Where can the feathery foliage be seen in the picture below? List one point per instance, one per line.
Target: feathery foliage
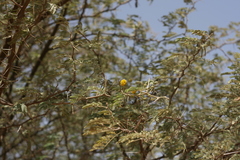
(78, 82)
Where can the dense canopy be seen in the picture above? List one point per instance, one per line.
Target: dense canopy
(78, 82)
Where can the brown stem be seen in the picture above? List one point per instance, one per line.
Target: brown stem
(44, 52)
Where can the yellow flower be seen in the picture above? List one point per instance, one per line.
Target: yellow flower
(134, 92)
(123, 82)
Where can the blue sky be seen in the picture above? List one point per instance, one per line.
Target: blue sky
(208, 12)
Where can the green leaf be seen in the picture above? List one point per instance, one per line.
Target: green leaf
(93, 104)
(23, 108)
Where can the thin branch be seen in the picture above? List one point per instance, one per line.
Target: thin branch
(44, 52)
(17, 4)
(65, 135)
(30, 119)
(12, 48)
(124, 152)
(81, 17)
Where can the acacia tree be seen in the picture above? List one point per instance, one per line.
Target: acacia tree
(77, 82)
